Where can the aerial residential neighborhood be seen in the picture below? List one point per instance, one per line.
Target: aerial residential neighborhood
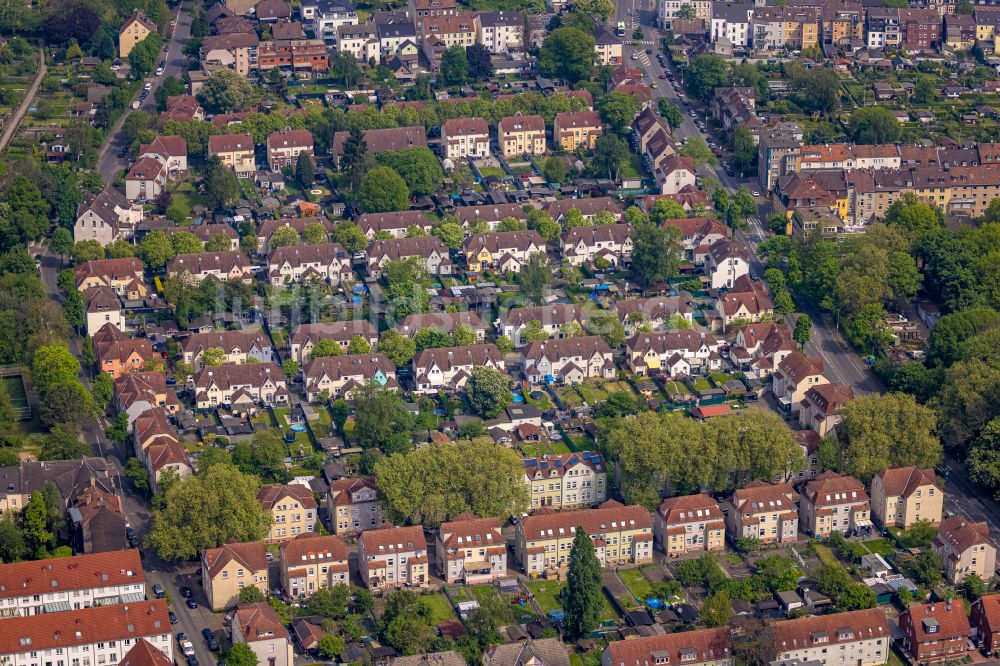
(500, 332)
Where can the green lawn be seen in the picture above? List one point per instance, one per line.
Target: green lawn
(592, 393)
(701, 384)
(533, 449)
(559, 446)
(441, 609)
(547, 595)
(481, 592)
(636, 583)
(569, 397)
(720, 378)
(826, 555)
(675, 389)
(592, 658)
(492, 171)
(881, 546)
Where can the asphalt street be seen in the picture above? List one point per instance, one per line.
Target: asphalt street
(109, 163)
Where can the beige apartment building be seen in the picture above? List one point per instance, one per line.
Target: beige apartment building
(690, 523)
(854, 638)
(764, 511)
(310, 562)
(259, 626)
(965, 548)
(566, 480)
(471, 550)
(834, 503)
(292, 508)
(231, 567)
(352, 505)
(236, 151)
(904, 495)
(621, 535)
(519, 135)
(393, 557)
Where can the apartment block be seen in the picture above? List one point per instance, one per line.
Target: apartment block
(935, 632)
(231, 567)
(310, 562)
(834, 503)
(471, 550)
(764, 511)
(393, 557)
(690, 523)
(566, 480)
(701, 647)
(352, 505)
(292, 508)
(859, 638)
(904, 495)
(621, 535)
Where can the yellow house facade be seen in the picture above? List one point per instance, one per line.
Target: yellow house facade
(904, 495)
(230, 568)
(137, 28)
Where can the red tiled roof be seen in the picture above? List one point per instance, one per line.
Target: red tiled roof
(393, 540)
(268, 496)
(312, 548)
(704, 644)
(949, 619)
(904, 481)
(610, 516)
(85, 626)
(832, 629)
(81, 572)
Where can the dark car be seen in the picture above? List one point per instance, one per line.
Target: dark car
(207, 633)
(171, 381)
(172, 617)
(158, 590)
(181, 637)
(191, 603)
(186, 592)
(213, 644)
(123, 152)
(192, 660)
(129, 533)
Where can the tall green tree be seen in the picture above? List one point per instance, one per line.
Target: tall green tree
(383, 190)
(567, 53)
(225, 91)
(704, 75)
(221, 183)
(655, 253)
(488, 391)
(454, 66)
(583, 595)
(533, 279)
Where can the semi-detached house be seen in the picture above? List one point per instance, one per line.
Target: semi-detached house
(396, 224)
(284, 147)
(513, 322)
(675, 353)
(106, 217)
(352, 505)
(655, 312)
(501, 251)
(240, 385)
(449, 368)
(237, 347)
(310, 562)
(339, 376)
(224, 265)
(521, 135)
(292, 508)
(433, 253)
(323, 262)
(621, 534)
(611, 243)
(226, 570)
(236, 151)
(567, 360)
(305, 336)
(834, 503)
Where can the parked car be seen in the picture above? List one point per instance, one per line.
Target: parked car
(186, 592)
(191, 603)
(172, 616)
(158, 590)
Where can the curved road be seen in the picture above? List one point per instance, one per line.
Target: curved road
(22, 108)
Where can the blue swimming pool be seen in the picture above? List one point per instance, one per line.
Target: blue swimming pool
(298, 427)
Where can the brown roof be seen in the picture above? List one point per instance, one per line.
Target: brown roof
(269, 496)
(690, 339)
(557, 464)
(656, 307)
(251, 555)
(583, 346)
(400, 248)
(689, 508)
(465, 127)
(704, 644)
(348, 365)
(759, 497)
(519, 123)
(449, 658)
(442, 321)
(451, 357)
(145, 168)
(490, 213)
(84, 626)
(904, 481)
(832, 629)
(469, 530)
(143, 653)
(226, 340)
(138, 16)
(754, 302)
(599, 233)
(297, 255)
(81, 572)
(341, 331)
(259, 622)
(290, 138)
(110, 269)
(578, 119)
(547, 651)
(447, 24)
(228, 143)
(830, 397)
(403, 219)
(948, 619)
(393, 540)
(610, 516)
(230, 41)
(589, 207)
(504, 241)
(268, 227)
(960, 534)
(555, 314)
(383, 140)
(832, 489)
(170, 452)
(313, 548)
(233, 374)
(199, 262)
(797, 366)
